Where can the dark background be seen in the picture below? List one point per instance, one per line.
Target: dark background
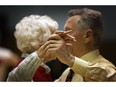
(10, 15)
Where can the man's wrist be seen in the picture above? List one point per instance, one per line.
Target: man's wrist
(71, 61)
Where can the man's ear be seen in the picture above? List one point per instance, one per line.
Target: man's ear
(88, 35)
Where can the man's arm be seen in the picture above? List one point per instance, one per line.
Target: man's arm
(94, 72)
(26, 69)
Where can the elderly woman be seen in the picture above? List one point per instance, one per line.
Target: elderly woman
(31, 33)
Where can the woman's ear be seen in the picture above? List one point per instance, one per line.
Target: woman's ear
(88, 35)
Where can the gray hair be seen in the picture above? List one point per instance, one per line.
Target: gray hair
(32, 31)
(89, 19)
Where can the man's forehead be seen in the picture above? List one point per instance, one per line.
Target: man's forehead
(73, 18)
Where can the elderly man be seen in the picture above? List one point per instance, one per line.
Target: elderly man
(82, 54)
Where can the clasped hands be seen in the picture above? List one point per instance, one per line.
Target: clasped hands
(57, 47)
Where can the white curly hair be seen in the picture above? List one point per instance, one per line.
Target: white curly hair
(32, 31)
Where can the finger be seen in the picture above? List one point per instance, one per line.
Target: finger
(51, 46)
(54, 37)
(58, 32)
(63, 33)
(41, 50)
(51, 51)
(49, 42)
(45, 51)
(68, 44)
(67, 32)
(71, 38)
(68, 38)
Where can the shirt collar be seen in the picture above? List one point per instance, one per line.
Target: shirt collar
(91, 55)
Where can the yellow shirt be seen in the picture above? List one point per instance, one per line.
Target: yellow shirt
(91, 67)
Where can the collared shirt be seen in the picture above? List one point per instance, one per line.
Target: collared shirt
(91, 67)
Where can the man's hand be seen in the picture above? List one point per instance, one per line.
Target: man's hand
(57, 45)
(66, 37)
